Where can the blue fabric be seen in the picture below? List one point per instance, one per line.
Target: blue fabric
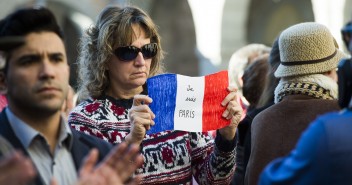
(323, 155)
(162, 88)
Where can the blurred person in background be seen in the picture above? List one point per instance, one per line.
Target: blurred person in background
(261, 76)
(241, 59)
(117, 56)
(254, 80)
(308, 87)
(3, 102)
(267, 97)
(346, 34)
(323, 154)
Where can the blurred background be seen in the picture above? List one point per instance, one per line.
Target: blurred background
(199, 36)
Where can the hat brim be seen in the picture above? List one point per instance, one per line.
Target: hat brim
(10, 42)
(315, 68)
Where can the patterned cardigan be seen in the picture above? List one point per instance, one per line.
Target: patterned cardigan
(170, 157)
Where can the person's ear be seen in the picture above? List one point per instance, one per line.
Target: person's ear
(332, 74)
(3, 83)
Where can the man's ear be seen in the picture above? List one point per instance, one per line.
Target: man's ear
(3, 83)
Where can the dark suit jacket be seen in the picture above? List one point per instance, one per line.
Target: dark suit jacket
(81, 146)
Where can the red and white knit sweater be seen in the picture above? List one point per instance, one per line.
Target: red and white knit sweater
(170, 157)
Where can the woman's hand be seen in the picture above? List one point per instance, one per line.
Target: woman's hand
(141, 118)
(233, 111)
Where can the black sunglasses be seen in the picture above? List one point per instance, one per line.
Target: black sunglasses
(128, 53)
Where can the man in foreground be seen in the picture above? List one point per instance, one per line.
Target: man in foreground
(35, 79)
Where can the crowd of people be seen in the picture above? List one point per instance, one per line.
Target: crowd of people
(274, 95)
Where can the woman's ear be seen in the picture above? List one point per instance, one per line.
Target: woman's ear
(3, 83)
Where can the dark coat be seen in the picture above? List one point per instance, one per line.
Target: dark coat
(276, 130)
(81, 145)
(243, 147)
(323, 155)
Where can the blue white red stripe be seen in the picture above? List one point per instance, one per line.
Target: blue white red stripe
(188, 103)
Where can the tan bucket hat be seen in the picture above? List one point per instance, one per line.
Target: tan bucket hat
(307, 48)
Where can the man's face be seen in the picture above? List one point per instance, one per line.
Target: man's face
(37, 75)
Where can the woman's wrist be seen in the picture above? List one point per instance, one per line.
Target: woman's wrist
(227, 133)
(129, 139)
(224, 144)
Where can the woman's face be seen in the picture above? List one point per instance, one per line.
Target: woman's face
(132, 74)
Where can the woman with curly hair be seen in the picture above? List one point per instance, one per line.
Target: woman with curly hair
(118, 54)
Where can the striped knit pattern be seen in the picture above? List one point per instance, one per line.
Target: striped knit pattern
(170, 157)
(304, 88)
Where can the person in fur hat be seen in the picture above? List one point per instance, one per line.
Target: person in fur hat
(307, 88)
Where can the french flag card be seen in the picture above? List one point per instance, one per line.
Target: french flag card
(188, 103)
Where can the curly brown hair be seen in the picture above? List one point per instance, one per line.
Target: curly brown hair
(112, 29)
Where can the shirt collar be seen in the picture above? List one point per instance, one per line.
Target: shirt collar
(65, 137)
(26, 134)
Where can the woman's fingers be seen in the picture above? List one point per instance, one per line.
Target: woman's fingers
(230, 101)
(141, 100)
(231, 96)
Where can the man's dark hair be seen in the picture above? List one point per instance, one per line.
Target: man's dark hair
(25, 21)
